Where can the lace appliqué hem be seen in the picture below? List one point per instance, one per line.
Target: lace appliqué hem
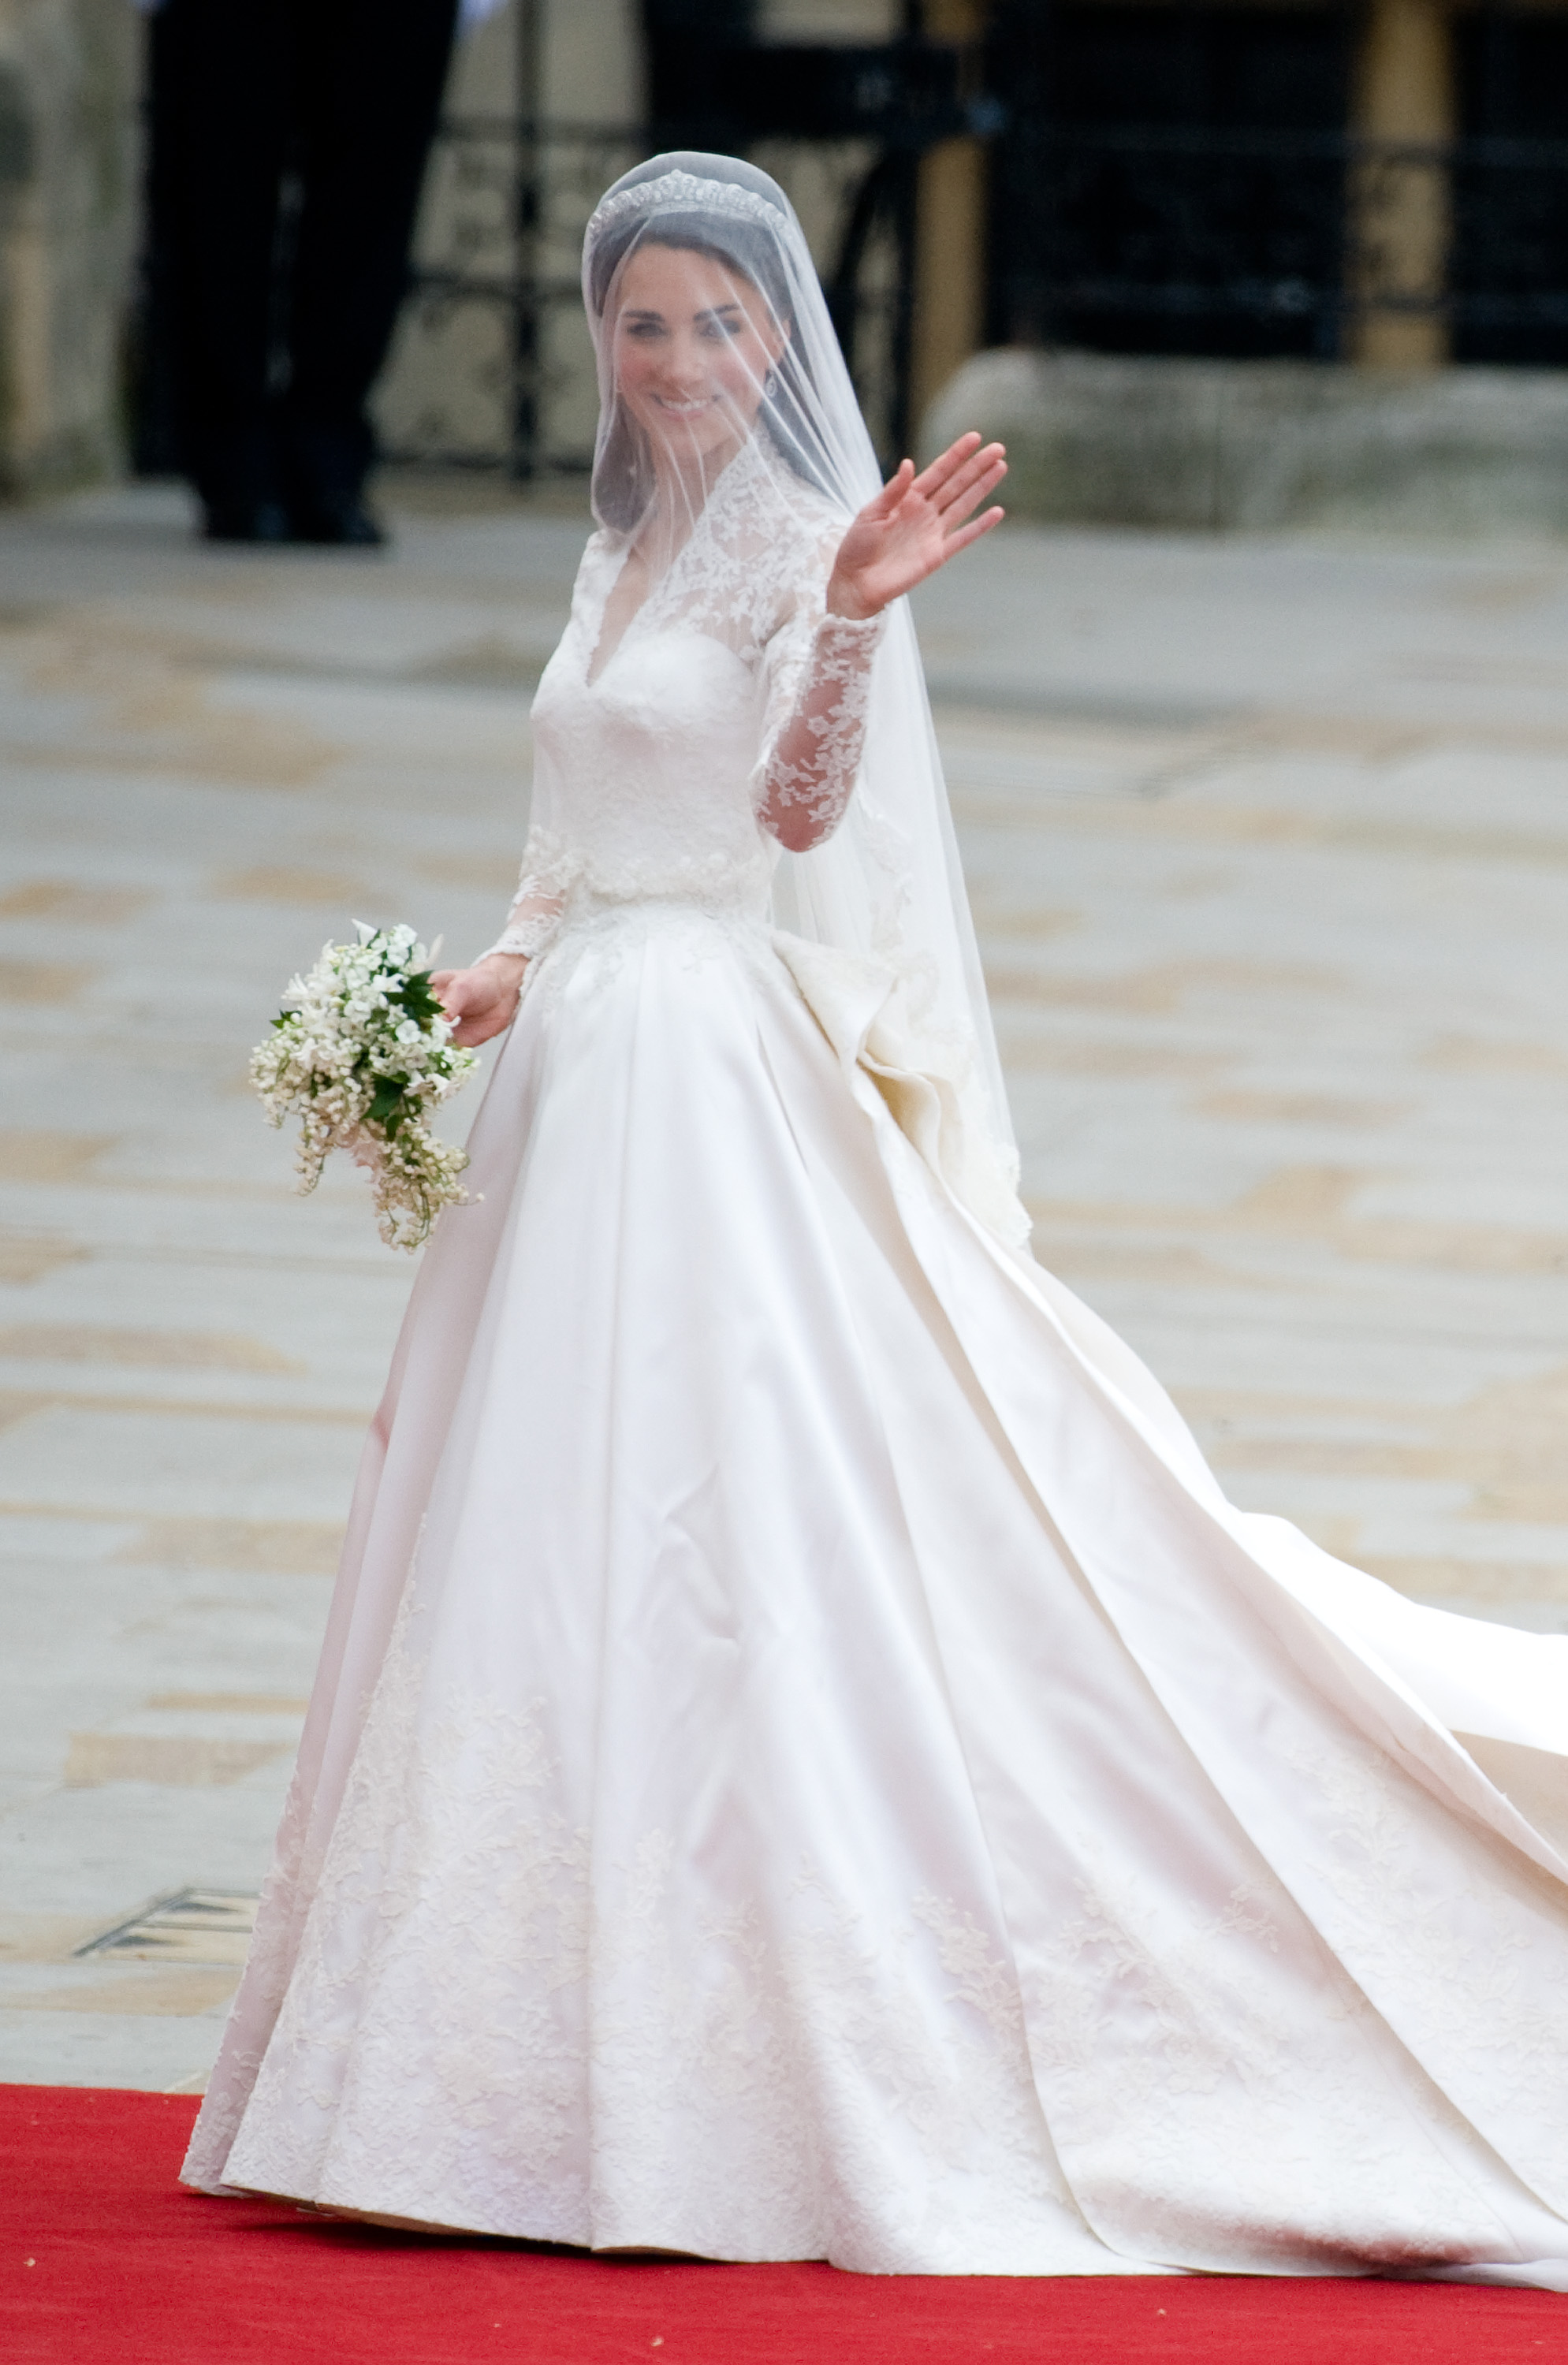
(707, 2041)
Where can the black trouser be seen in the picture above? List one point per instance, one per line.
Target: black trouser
(346, 93)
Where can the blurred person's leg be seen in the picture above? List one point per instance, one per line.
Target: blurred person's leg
(371, 77)
(222, 120)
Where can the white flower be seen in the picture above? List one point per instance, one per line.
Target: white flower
(359, 1052)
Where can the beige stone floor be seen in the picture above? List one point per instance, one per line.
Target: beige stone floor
(1269, 846)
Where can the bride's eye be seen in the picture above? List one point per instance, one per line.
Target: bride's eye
(716, 325)
(644, 331)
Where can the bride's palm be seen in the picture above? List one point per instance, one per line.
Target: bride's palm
(914, 525)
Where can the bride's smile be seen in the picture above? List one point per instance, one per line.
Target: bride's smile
(692, 345)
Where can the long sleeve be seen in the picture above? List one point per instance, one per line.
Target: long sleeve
(817, 669)
(542, 890)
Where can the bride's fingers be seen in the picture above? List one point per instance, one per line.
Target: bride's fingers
(464, 997)
(884, 503)
(953, 517)
(962, 476)
(942, 467)
(978, 483)
(970, 532)
(947, 464)
(958, 462)
(960, 489)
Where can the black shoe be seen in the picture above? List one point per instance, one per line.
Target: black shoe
(245, 522)
(340, 521)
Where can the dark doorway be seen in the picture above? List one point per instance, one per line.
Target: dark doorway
(1170, 179)
(1509, 267)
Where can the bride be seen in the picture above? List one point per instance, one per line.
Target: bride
(806, 1762)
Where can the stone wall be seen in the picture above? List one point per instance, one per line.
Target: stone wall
(1098, 438)
(68, 76)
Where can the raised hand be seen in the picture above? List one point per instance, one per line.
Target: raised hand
(914, 525)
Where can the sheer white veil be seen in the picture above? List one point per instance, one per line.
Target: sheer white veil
(886, 892)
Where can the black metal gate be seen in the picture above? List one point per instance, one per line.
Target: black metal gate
(514, 190)
(1182, 180)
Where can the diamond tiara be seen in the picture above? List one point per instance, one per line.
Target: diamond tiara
(682, 188)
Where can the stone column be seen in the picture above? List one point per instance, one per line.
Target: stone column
(950, 288)
(69, 75)
(1400, 211)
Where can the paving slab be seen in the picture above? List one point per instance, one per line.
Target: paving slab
(1267, 840)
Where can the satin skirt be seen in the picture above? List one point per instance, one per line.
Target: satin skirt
(807, 1764)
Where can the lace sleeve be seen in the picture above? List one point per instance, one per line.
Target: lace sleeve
(818, 672)
(541, 897)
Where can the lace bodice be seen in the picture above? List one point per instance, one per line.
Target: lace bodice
(729, 717)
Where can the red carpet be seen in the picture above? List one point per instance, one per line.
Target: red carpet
(106, 2256)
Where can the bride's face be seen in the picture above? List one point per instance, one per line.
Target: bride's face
(693, 343)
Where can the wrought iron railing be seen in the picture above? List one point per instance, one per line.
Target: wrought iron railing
(1203, 239)
(492, 366)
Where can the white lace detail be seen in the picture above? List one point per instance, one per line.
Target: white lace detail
(562, 888)
(637, 799)
(447, 2033)
(549, 871)
(819, 696)
(760, 554)
(268, 1965)
(1166, 2060)
(641, 801)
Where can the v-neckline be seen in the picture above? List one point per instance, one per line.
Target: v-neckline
(656, 591)
(593, 672)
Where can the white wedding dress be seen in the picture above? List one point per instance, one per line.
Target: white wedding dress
(806, 1761)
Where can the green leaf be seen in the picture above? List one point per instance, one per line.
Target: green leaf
(414, 995)
(386, 1108)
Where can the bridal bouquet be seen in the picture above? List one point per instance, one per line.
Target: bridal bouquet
(361, 1052)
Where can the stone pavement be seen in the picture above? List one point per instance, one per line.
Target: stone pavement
(1268, 841)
